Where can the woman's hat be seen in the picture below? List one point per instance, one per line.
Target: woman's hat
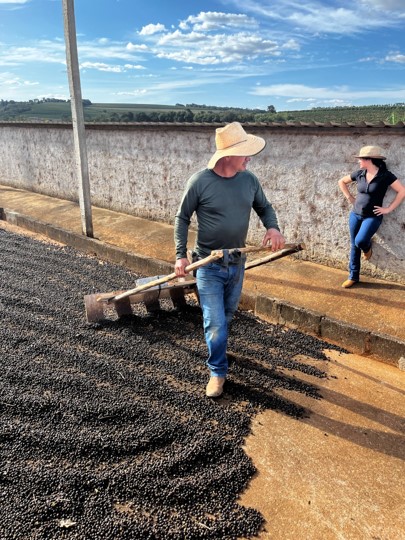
(371, 152)
(232, 140)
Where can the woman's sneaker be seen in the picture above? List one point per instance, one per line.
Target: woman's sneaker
(367, 254)
(348, 283)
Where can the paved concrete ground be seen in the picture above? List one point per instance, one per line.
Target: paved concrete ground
(339, 474)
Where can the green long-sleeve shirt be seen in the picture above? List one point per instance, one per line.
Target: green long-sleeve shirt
(223, 207)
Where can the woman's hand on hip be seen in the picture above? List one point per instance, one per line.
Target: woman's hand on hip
(380, 210)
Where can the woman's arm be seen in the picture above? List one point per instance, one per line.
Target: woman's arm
(400, 189)
(343, 183)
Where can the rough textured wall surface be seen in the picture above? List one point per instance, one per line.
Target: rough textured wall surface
(142, 170)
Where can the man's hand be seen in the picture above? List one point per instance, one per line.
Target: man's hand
(274, 237)
(180, 266)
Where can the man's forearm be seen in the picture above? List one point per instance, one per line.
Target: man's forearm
(180, 236)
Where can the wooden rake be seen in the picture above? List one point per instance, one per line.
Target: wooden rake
(151, 290)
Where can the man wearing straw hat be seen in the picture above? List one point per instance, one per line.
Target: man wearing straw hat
(222, 196)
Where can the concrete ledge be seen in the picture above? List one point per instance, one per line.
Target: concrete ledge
(268, 309)
(354, 338)
(388, 348)
(282, 312)
(247, 301)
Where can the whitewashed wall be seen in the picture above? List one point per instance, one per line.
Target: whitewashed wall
(142, 170)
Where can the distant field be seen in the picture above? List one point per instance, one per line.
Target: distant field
(49, 111)
(58, 111)
(128, 112)
(388, 113)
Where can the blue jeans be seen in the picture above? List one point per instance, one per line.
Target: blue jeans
(362, 229)
(219, 288)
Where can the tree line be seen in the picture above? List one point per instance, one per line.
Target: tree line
(59, 109)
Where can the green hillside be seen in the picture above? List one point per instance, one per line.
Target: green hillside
(374, 114)
(59, 110)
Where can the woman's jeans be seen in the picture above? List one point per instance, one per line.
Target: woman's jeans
(362, 229)
(219, 288)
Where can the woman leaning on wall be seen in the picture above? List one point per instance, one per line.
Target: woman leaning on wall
(373, 179)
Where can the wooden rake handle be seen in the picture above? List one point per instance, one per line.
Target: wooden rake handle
(252, 249)
(287, 250)
(214, 256)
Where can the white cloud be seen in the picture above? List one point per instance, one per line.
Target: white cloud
(151, 29)
(44, 51)
(178, 38)
(368, 59)
(93, 50)
(161, 90)
(213, 38)
(300, 100)
(395, 57)
(315, 17)
(11, 81)
(390, 5)
(212, 20)
(14, 1)
(322, 19)
(303, 92)
(99, 66)
(134, 47)
(198, 48)
(291, 44)
(140, 92)
(189, 56)
(132, 66)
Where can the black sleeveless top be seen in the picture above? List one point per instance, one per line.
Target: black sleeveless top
(371, 194)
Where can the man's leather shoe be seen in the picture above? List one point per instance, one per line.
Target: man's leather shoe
(215, 386)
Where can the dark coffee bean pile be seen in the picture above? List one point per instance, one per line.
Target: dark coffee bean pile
(105, 431)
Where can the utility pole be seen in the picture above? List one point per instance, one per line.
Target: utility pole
(76, 102)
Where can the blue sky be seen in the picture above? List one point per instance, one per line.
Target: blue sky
(293, 54)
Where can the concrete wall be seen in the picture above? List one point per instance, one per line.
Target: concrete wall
(142, 170)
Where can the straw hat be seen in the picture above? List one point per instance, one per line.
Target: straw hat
(371, 152)
(232, 140)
